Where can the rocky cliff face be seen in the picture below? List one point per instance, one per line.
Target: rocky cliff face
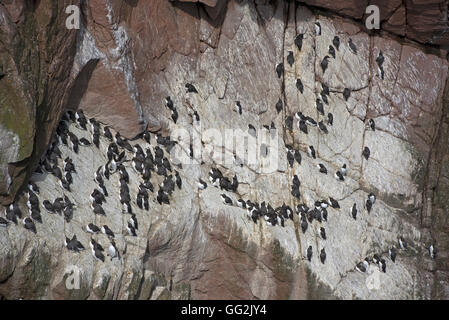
(129, 55)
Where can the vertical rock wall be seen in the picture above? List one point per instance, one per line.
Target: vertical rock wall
(129, 55)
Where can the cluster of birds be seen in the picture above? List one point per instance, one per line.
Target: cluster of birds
(304, 123)
(120, 153)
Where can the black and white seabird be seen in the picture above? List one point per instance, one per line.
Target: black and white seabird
(324, 213)
(323, 256)
(28, 223)
(15, 210)
(304, 225)
(238, 107)
(98, 254)
(91, 228)
(336, 42)
(300, 116)
(98, 209)
(366, 153)
(9, 213)
(68, 165)
(330, 119)
(298, 157)
(402, 243)
(339, 176)
(84, 142)
(35, 215)
(191, 88)
(279, 106)
(280, 70)
(201, 184)
(322, 233)
(226, 199)
(241, 203)
(162, 197)
(133, 221)
(290, 158)
(295, 181)
(96, 139)
(169, 103)
(392, 253)
(112, 250)
(298, 41)
(343, 169)
(303, 126)
(325, 90)
(174, 115)
(289, 122)
(105, 230)
(33, 187)
(353, 211)
(368, 205)
(320, 106)
(107, 133)
(322, 168)
(317, 28)
(334, 203)
(362, 266)
(311, 152)
(131, 230)
(33, 200)
(322, 127)
(95, 245)
(81, 119)
(380, 60)
(122, 142)
(352, 46)
(3, 222)
(372, 197)
(74, 142)
(299, 85)
(290, 58)
(371, 124)
(383, 265)
(79, 246)
(65, 184)
(48, 206)
(324, 63)
(97, 197)
(310, 121)
(323, 97)
(309, 253)
(58, 205)
(178, 180)
(346, 93)
(331, 51)
(432, 251)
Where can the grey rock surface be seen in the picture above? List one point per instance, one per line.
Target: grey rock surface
(197, 247)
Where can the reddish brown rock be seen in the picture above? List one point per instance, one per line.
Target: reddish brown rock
(396, 23)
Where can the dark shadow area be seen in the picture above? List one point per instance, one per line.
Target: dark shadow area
(80, 85)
